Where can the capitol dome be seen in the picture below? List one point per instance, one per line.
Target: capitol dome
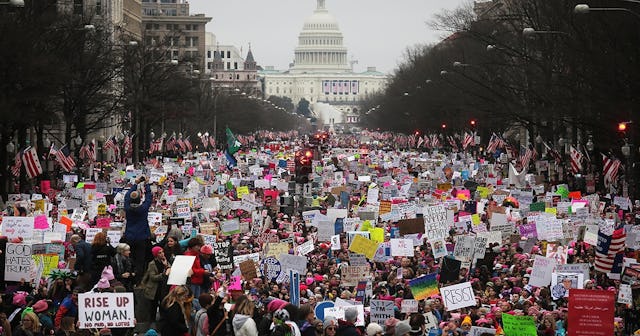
(320, 45)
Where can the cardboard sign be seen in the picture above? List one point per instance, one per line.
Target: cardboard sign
(401, 247)
(435, 221)
(180, 270)
(409, 306)
(479, 331)
(409, 226)
(458, 296)
(519, 325)
(591, 312)
(105, 310)
(248, 269)
(18, 262)
(351, 275)
(542, 269)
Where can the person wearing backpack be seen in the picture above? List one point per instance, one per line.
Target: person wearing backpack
(201, 320)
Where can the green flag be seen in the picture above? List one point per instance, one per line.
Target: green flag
(232, 143)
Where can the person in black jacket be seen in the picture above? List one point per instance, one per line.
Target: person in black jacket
(347, 327)
(218, 316)
(175, 311)
(101, 252)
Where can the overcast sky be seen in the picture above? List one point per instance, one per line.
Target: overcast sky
(376, 32)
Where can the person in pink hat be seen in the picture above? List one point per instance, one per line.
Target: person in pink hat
(153, 288)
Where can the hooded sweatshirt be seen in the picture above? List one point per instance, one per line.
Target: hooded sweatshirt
(244, 325)
(137, 228)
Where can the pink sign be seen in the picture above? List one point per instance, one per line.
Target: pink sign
(40, 222)
(103, 222)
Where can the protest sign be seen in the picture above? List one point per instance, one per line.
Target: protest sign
(409, 306)
(519, 325)
(464, 248)
(458, 296)
(222, 251)
(105, 310)
(351, 275)
(248, 269)
(591, 312)
(14, 227)
(480, 331)
(542, 269)
(180, 270)
(230, 227)
(625, 295)
(381, 310)
(435, 221)
(409, 226)
(305, 248)
(270, 268)
(49, 262)
(402, 247)
(290, 262)
(479, 248)
(574, 268)
(364, 246)
(18, 262)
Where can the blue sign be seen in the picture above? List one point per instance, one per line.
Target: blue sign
(271, 268)
(320, 307)
(294, 288)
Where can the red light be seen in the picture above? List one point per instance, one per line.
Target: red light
(417, 132)
(473, 122)
(444, 125)
(622, 127)
(308, 154)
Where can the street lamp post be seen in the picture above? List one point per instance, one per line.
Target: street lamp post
(586, 9)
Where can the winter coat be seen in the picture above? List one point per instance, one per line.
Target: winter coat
(153, 279)
(347, 329)
(197, 278)
(244, 325)
(137, 226)
(83, 257)
(172, 320)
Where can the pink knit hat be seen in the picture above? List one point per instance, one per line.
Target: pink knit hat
(275, 305)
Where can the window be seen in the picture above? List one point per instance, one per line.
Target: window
(222, 54)
(194, 27)
(235, 65)
(78, 7)
(148, 26)
(156, 26)
(209, 64)
(229, 67)
(237, 76)
(208, 53)
(228, 54)
(98, 7)
(191, 41)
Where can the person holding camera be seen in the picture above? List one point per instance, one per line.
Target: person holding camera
(137, 233)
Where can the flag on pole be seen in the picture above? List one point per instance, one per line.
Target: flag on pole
(171, 143)
(576, 160)
(525, 156)
(127, 146)
(17, 165)
(31, 162)
(609, 249)
(187, 144)
(233, 145)
(181, 144)
(231, 161)
(610, 170)
(64, 159)
(467, 140)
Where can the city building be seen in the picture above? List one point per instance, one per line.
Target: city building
(171, 21)
(228, 70)
(323, 74)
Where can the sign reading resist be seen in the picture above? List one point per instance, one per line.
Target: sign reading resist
(458, 296)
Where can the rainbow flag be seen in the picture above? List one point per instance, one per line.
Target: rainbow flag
(424, 286)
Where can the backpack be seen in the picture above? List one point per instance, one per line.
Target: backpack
(201, 314)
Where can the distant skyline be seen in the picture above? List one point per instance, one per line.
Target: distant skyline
(376, 32)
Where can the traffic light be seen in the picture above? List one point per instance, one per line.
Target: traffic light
(303, 165)
(622, 127)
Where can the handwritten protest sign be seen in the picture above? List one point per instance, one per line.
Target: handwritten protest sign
(381, 310)
(18, 262)
(409, 226)
(409, 306)
(464, 248)
(479, 331)
(14, 227)
(351, 275)
(542, 269)
(365, 246)
(458, 296)
(105, 310)
(435, 222)
(222, 253)
(402, 247)
(519, 325)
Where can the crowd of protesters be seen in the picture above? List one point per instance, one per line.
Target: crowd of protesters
(210, 304)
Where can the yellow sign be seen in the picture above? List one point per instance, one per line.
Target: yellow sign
(50, 262)
(552, 211)
(276, 248)
(366, 225)
(377, 234)
(483, 191)
(242, 191)
(39, 205)
(365, 246)
(384, 207)
(475, 219)
(102, 209)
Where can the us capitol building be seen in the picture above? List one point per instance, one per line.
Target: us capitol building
(323, 75)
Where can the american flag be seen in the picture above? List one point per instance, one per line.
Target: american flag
(610, 170)
(156, 146)
(467, 140)
(171, 143)
(31, 162)
(112, 143)
(495, 142)
(127, 146)
(452, 142)
(17, 165)
(88, 151)
(187, 144)
(435, 141)
(526, 154)
(554, 153)
(64, 159)
(427, 141)
(212, 142)
(205, 140)
(181, 145)
(420, 142)
(291, 165)
(576, 160)
(610, 251)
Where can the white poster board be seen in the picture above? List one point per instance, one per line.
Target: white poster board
(18, 262)
(180, 270)
(541, 273)
(458, 296)
(381, 310)
(105, 310)
(14, 227)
